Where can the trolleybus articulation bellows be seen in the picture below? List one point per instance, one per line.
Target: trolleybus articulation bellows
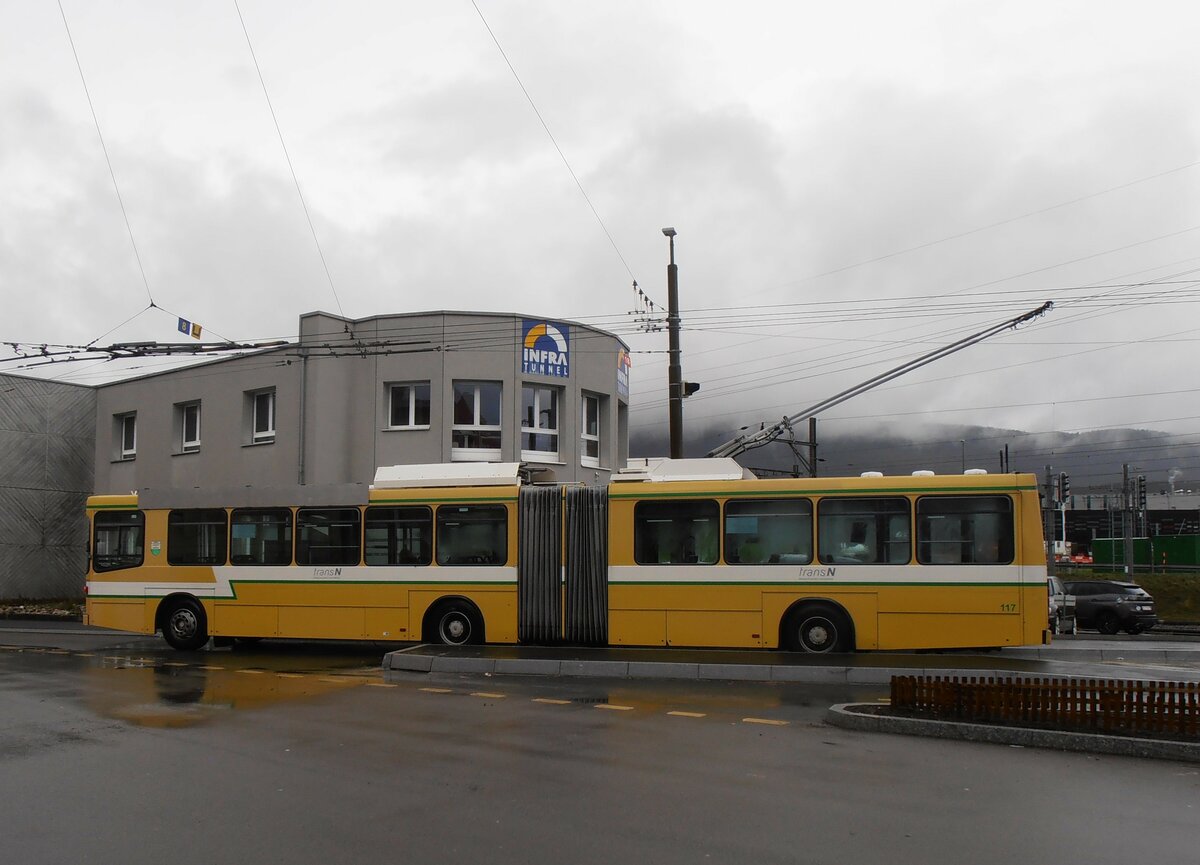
(670, 553)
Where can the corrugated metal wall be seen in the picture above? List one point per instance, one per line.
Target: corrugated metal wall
(47, 445)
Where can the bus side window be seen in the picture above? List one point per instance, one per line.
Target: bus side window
(768, 532)
(676, 532)
(261, 536)
(472, 535)
(399, 536)
(961, 530)
(863, 531)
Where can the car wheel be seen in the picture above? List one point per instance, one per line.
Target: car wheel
(1107, 623)
(184, 625)
(1134, 629)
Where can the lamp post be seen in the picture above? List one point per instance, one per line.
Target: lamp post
(963, 444)
(674, 366)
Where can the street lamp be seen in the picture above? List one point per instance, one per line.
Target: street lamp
(963, 444)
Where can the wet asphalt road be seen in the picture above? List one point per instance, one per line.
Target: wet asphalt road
(117, 750)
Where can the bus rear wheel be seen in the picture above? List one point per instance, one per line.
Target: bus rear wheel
(817, 629)
(454, 623)
(184, 625)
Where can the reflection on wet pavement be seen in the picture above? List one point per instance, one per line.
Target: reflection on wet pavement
(138, 684)
(154, 691)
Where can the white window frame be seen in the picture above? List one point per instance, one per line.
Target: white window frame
(127, 420)
(585, 438)
(397, 389)
(476, 454)
(186, 445)
(539, 392)
(264, 436)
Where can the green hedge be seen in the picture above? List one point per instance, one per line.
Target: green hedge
(1177, 596)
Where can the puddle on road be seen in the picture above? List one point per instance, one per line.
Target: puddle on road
(183, 690)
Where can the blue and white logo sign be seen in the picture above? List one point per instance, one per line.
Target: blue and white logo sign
(544, 350)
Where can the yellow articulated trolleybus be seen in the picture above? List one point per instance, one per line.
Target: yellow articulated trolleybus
(670, 553)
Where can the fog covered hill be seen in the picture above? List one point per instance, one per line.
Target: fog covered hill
(1093, 459)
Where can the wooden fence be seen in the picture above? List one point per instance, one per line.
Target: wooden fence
(1084, 705)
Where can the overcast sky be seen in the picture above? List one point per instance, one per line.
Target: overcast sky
(853, 185)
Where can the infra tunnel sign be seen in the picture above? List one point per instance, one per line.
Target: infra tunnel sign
(544, 350)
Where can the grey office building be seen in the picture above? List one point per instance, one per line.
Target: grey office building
(354, 394)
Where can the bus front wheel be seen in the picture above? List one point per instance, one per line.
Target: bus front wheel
(184, 625)
(818, 629)
(454, 624)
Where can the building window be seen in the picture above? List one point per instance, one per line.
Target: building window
(539, 423)
(589, 435)
(189, 427)
(408, 406)
(476, 431)
(125, 429)
(262, 416)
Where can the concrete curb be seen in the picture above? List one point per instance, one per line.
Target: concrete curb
(413, 660)
(844, 715)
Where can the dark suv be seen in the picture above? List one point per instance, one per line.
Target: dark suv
(1110, 606)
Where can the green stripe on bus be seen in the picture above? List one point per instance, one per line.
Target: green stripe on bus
(457, 500)
(774, 494)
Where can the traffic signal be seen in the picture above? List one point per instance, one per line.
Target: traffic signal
(1141, 492)
(1064, 486)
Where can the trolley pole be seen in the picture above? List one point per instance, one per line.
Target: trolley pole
(674, 365)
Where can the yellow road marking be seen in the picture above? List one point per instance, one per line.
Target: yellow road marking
(381, 685)
(551, 702)
(59, 652)
(210, 667)
(85, 654)
(614, 707)
(335, 679)
(769, 721)
(251, 672)
(290, 675)
(175, 664)
(688, 714)
(437, 690)
(488, 694)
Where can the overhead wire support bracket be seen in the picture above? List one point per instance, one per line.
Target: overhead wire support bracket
(743, 443)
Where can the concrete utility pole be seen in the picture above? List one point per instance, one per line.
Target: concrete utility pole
(674, 364)
(1048, 520)
(1127, 521)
